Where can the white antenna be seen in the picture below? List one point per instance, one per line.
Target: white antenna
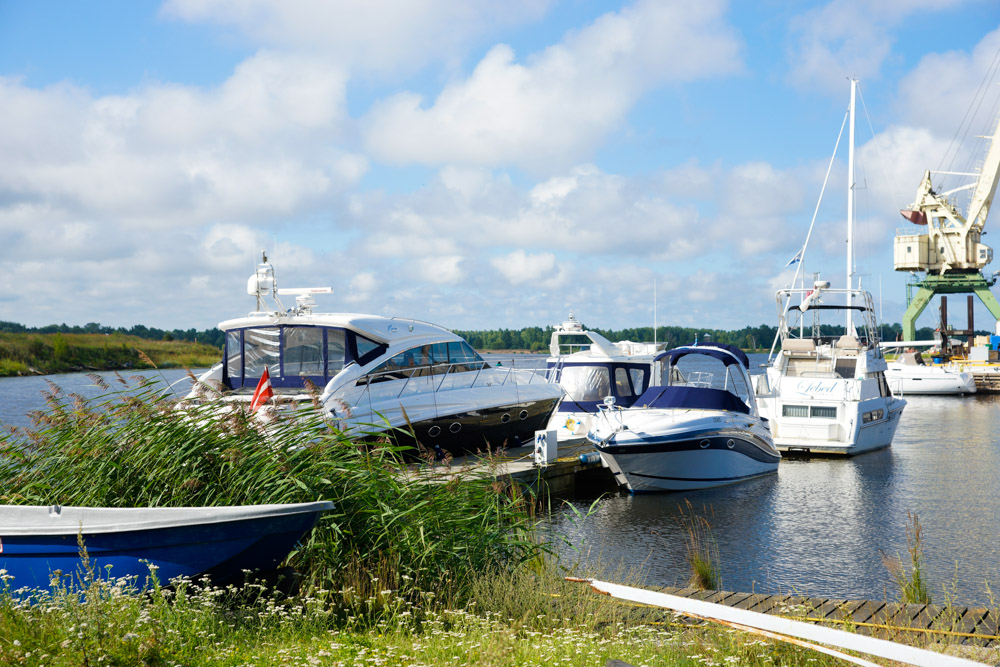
(654, 312)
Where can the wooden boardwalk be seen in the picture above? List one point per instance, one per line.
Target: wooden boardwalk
(907, 623)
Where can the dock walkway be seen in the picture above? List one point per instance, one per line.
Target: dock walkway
(968, 626)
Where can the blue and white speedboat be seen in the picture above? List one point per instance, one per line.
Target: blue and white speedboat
(700, 430)
(39, 543)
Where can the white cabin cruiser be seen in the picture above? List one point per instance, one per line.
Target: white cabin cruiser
(701, 430)
(824, 390)
(379, 374)
(590, 368)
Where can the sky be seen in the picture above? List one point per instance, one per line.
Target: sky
(475, 164)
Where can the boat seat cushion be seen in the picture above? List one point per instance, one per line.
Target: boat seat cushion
(798, 345)
(848, 343)
(696, 398)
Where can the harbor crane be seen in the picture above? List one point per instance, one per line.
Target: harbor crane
(945, 245)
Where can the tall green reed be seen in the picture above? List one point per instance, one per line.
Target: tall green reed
(910, 580)
(702, 549)
(396, 526)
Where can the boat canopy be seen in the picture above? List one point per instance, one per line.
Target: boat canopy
(727, 354)
(696, 398)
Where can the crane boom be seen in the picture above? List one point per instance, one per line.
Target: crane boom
(986, 186)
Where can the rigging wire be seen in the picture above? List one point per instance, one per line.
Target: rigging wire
(970, 114)
(890, 178)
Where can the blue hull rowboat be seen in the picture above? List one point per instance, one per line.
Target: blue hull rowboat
(221, 542)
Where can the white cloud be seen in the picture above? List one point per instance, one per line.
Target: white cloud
(374, 35)
(361, 288)
(520, 268)
(848, 38)
(265, 143)
(943, 87)
(439, 269)
(555, 108)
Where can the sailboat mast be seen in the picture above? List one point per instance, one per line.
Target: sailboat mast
(850, 213)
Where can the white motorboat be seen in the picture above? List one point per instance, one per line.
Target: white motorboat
(379, 374)
(701, 430)
(590, 368)
(827, 393)
(824, 390)
(907, 374)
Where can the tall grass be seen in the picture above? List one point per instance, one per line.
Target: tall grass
(390, 531)
(702, 549)
(910, 580)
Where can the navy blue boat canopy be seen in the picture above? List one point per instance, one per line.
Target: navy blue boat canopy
(721, 351)
(696, 398)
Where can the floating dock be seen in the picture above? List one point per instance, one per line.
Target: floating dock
(564, 477)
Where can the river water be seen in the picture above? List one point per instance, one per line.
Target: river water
(819, 527)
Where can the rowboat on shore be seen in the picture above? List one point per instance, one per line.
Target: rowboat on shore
(40, 544)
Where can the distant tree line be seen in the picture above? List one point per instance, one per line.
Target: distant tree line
(213, 337)
(535, 339)
(760, 337)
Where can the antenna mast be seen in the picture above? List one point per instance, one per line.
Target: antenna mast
(850, 213)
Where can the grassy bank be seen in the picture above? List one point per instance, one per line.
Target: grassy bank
(32, 353)
(539, 621)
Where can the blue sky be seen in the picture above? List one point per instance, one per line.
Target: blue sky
(475, 164)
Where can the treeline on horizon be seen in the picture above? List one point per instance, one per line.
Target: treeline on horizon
(536, 339)
(213, 337)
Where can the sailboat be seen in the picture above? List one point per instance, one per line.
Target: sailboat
(824, 390)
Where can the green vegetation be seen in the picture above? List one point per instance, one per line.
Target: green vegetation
(29, 353)
(702, 549)
(912, 586)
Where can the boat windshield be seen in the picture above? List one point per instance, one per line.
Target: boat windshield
(702, 371)
(292, 354)
(586, 383)
(433, 359)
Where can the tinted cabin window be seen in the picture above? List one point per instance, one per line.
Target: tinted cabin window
(367, 349)
(303, 351)
(234, 355)
(463, 357)
(638, 380)
(336, 351)
(621, 382)
(436, 359)
(261, 348)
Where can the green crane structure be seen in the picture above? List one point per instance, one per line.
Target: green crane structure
(946, 245)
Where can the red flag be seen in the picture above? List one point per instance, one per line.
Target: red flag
(262, 394)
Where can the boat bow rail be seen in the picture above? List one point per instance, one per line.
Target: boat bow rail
(434, 379)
